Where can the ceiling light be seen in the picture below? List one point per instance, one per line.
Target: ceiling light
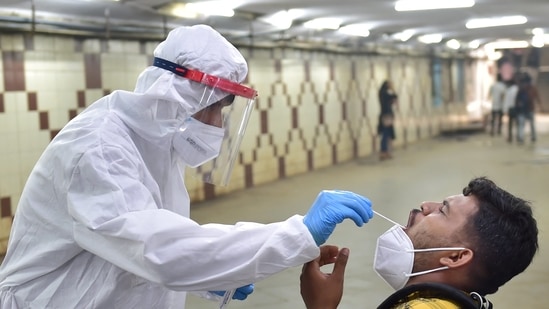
(209, 8)
(537, 31)
(496, 22)
(430, 38)
(404, 35)
(280, 19)
(538, 41)
(494, 55)
(323, 23)
(283, 19)
(507, 44)
(179, 10)
(453, 44)
(356, 29)
(194, 10)
(474, 44)
(417, 5)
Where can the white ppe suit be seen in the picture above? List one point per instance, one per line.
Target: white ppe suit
(103, 221)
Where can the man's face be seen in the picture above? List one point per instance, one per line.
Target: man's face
(213, 114)
(439, 224)
(507, 71)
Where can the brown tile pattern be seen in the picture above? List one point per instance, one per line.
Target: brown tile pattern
(295, 118)
(44, 121)
(264, 122)
(278, 66)
(281, 167)
(249, 175)
(81, 98)
(53, 133)
(72, 113)
(5, 207)
(353, 70)
(32, 101)
(209, 191)
(344, 110)
(306, 83)
(92, 65)
(307, 68)
(321, 114)
(310, 160)
(14, 70)
(28, 42)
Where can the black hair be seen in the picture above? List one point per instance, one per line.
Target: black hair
(504, 234)
(525, 78)
(384, 86)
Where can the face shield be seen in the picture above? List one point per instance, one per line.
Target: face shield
(223, 105)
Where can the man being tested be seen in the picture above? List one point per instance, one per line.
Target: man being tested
(473, 243)
(103, 221)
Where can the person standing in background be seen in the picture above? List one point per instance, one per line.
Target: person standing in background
(385, 128)
(509, 108)
(527, 98)
(496, 95)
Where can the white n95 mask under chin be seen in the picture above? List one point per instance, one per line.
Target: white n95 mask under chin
(394, 257)
(197, 143)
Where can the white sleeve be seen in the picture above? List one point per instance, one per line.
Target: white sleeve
(117, 218)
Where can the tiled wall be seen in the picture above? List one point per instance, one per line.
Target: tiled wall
(315, 109)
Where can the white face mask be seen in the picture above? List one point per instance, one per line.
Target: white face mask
(394, 257)
(197, 143)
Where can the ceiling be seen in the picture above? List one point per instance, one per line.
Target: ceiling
(142, 19)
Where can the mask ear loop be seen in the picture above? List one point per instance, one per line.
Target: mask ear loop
(431, 250)
(426, 271)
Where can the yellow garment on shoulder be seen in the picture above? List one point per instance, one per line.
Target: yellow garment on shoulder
(427, 303)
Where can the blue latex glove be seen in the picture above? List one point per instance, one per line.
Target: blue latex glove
(241, 293)
(331, 208)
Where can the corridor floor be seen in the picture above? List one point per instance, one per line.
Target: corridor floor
(428, 170)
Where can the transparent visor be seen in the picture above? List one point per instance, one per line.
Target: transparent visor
(225, 105)
(233, 118)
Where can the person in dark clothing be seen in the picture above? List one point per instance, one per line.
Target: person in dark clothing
(526, 100)
(385, 128)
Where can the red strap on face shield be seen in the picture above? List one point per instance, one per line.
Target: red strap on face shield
(206, 79)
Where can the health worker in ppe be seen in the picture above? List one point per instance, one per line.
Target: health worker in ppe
(103, 221)
(450, 254)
